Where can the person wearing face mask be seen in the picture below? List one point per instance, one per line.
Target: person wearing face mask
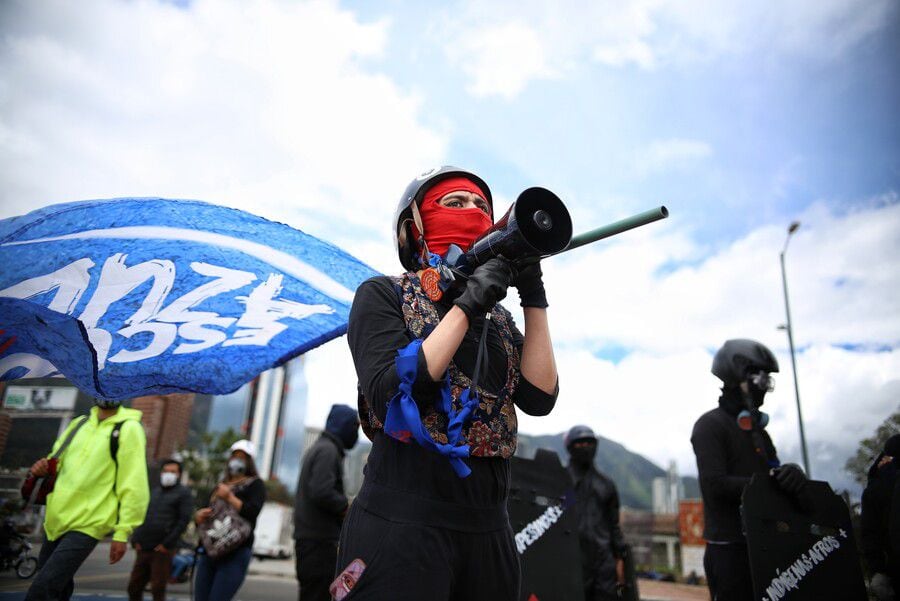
(101, 487)
(731, 444)
(880, 518)
(156, 540)
(321, 503)
(596, 504)
(219, 579)
(442, 368)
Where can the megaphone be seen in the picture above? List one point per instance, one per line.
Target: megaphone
(536, 225)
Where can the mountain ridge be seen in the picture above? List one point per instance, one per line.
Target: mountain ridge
(632, 473)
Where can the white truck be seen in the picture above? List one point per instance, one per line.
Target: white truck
(274, 532)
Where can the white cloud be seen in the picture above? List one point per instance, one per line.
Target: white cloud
(673, 153)
(648, 34)
(808, 28)
(614, 295)
(842, 270)
(265, 106)
(509, 55)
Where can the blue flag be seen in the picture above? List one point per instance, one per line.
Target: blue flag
(137, 296)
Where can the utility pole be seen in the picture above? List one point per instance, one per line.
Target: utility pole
(790, 333)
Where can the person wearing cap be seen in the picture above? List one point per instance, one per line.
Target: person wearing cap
(442, 368)
(596, 505)
(219, 579)
(881, 522)
(321, 503)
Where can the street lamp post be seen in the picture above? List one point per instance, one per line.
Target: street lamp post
(790, 334)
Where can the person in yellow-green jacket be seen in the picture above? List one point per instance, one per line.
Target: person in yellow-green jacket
(101, 487)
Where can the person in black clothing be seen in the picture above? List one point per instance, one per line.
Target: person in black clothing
(321, 504)
(156, 540)
(731, 445)
(430, 522)
(219, 579)
(597, 507)
(881, 522)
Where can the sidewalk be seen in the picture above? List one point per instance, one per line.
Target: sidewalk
(280, 568)
(654, 590)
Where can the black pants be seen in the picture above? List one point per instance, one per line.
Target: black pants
(315, 562)
(409, 562)
(728, 572)
(57, 564)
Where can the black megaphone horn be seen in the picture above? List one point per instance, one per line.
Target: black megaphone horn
(536, 225)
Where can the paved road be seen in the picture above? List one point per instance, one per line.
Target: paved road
(268, 581)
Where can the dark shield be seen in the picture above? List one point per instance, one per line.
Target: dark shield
(800, 549)
(545, 529)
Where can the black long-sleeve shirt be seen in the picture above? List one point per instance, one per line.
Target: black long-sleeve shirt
(406, 482)
(726, 460)
(253, 497)
(880, 500)
(599, 532)
(168, 514)
(321, 501)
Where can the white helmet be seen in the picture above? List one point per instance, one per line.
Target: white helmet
(245, 446)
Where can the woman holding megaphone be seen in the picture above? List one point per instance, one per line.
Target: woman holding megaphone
(442, 368)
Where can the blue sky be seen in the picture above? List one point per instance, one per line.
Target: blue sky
(739, 117)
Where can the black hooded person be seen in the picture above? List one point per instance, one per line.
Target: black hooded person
(596, 506)
(430, 521)
(321, 503)
(881, 522)
(731, 444)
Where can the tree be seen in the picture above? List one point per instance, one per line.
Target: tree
(276, 491)
(869, 448)
(206, 463)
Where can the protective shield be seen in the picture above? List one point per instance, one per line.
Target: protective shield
(629, 592)
(800, 549)
(545, 530)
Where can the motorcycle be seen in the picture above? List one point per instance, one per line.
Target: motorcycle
(15, 553)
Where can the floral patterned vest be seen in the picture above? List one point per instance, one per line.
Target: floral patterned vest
(491, 432)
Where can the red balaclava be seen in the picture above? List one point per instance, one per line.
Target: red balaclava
(445, 225)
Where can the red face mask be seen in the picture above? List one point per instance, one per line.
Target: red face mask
(447, 225)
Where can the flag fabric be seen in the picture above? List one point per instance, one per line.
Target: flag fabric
(136, 296)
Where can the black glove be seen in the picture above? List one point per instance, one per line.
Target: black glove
(485, 287)
(530, 285)
(790, 478)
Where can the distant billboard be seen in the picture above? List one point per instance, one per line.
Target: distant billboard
(693, 546)
(40, 398)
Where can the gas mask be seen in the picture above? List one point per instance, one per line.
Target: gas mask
(753, 391)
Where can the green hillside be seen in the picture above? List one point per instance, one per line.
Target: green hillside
(632, 473)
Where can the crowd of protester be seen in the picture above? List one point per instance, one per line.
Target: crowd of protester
(442, 370)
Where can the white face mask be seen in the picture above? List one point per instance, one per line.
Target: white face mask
(168, 479)
(237, 466)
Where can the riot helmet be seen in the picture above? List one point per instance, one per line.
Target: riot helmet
(582, 455)
(407, 248)
(739, 358)
(579, 432)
